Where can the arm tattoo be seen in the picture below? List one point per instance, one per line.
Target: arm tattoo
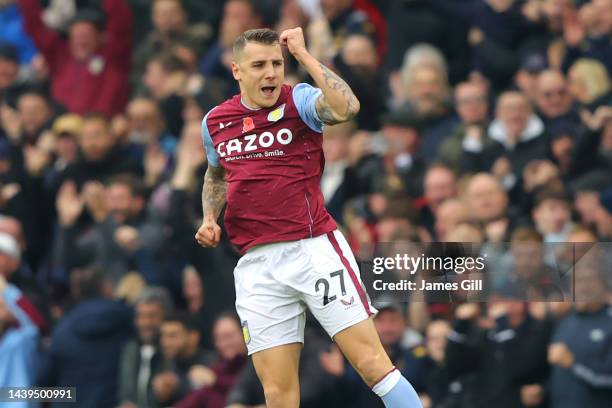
(337, 84)
(213, 191)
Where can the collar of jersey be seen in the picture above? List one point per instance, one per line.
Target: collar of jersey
(243, 103)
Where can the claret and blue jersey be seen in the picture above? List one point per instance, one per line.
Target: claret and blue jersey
(273, 159)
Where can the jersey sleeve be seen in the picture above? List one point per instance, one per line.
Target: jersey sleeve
(211, 153)
(305, 98)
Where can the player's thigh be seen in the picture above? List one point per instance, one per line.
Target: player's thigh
(331, 285)
(270, 312)
(278, 366)
(361, 346)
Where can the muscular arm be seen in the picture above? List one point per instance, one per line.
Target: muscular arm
(213, 192)
(338, 102)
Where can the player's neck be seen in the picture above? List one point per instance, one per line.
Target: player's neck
(247, 105)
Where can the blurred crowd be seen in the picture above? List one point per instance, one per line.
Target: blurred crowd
(486, 121)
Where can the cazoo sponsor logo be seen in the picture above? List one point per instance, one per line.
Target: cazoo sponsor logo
(252, 142)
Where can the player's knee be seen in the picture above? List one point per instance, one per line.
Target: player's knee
(372, 366)
(279, 395)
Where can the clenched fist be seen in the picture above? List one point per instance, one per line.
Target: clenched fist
(209, 234)
(294, 40)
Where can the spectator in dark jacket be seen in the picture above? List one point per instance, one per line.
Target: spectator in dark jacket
(587, 33)
(186, 365)
(505, 358)
(86, 344)
(101, 156)
(580, 351)
(553, 99)
(141, 358)
(89, 71)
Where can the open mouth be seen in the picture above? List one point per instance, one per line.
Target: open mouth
(268, 90)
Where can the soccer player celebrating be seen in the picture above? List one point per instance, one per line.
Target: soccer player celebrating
(265, 158)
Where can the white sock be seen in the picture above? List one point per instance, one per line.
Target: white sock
(386, 384)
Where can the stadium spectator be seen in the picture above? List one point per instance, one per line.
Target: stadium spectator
(553, 99)
(90, 70)
(589, 84)
(505, 357)
(18, 340)
(165, 80)
(586, 33)
(552, 215)
(403, 161)
(443, 390)
(451, 213)
(193, 292)
(497, 27)
(141, 358)
(9, 66)
(86, 344)
(357, 63)
(148, 141)
(345, 19)
(411, 23)
(338, 182)
(100, 155)
(12, 31)
(35, 114)
(238, 16)
(518, 138)
(529, 275)
(231, 352)
(126, 235)
(526, 77)
(488, 206)
(185, 366)
(171, 33)
(439, 185)
(577, 352)
(471, 103)
(425, 92)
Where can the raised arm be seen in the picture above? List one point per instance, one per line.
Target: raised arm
(213, 200)
(47, 40)
(338, 102)
(118, 43)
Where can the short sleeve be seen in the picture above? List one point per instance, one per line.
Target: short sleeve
(305, 98)
(211, 153)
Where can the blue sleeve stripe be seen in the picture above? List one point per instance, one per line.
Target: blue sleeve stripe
(211, 153)
(305, 98)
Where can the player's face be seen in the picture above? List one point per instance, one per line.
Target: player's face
(260, 72)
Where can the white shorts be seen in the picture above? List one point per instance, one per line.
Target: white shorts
(275, 283)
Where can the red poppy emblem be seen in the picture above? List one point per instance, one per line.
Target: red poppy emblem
(247, 124)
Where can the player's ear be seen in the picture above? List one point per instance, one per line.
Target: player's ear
(235, 71)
